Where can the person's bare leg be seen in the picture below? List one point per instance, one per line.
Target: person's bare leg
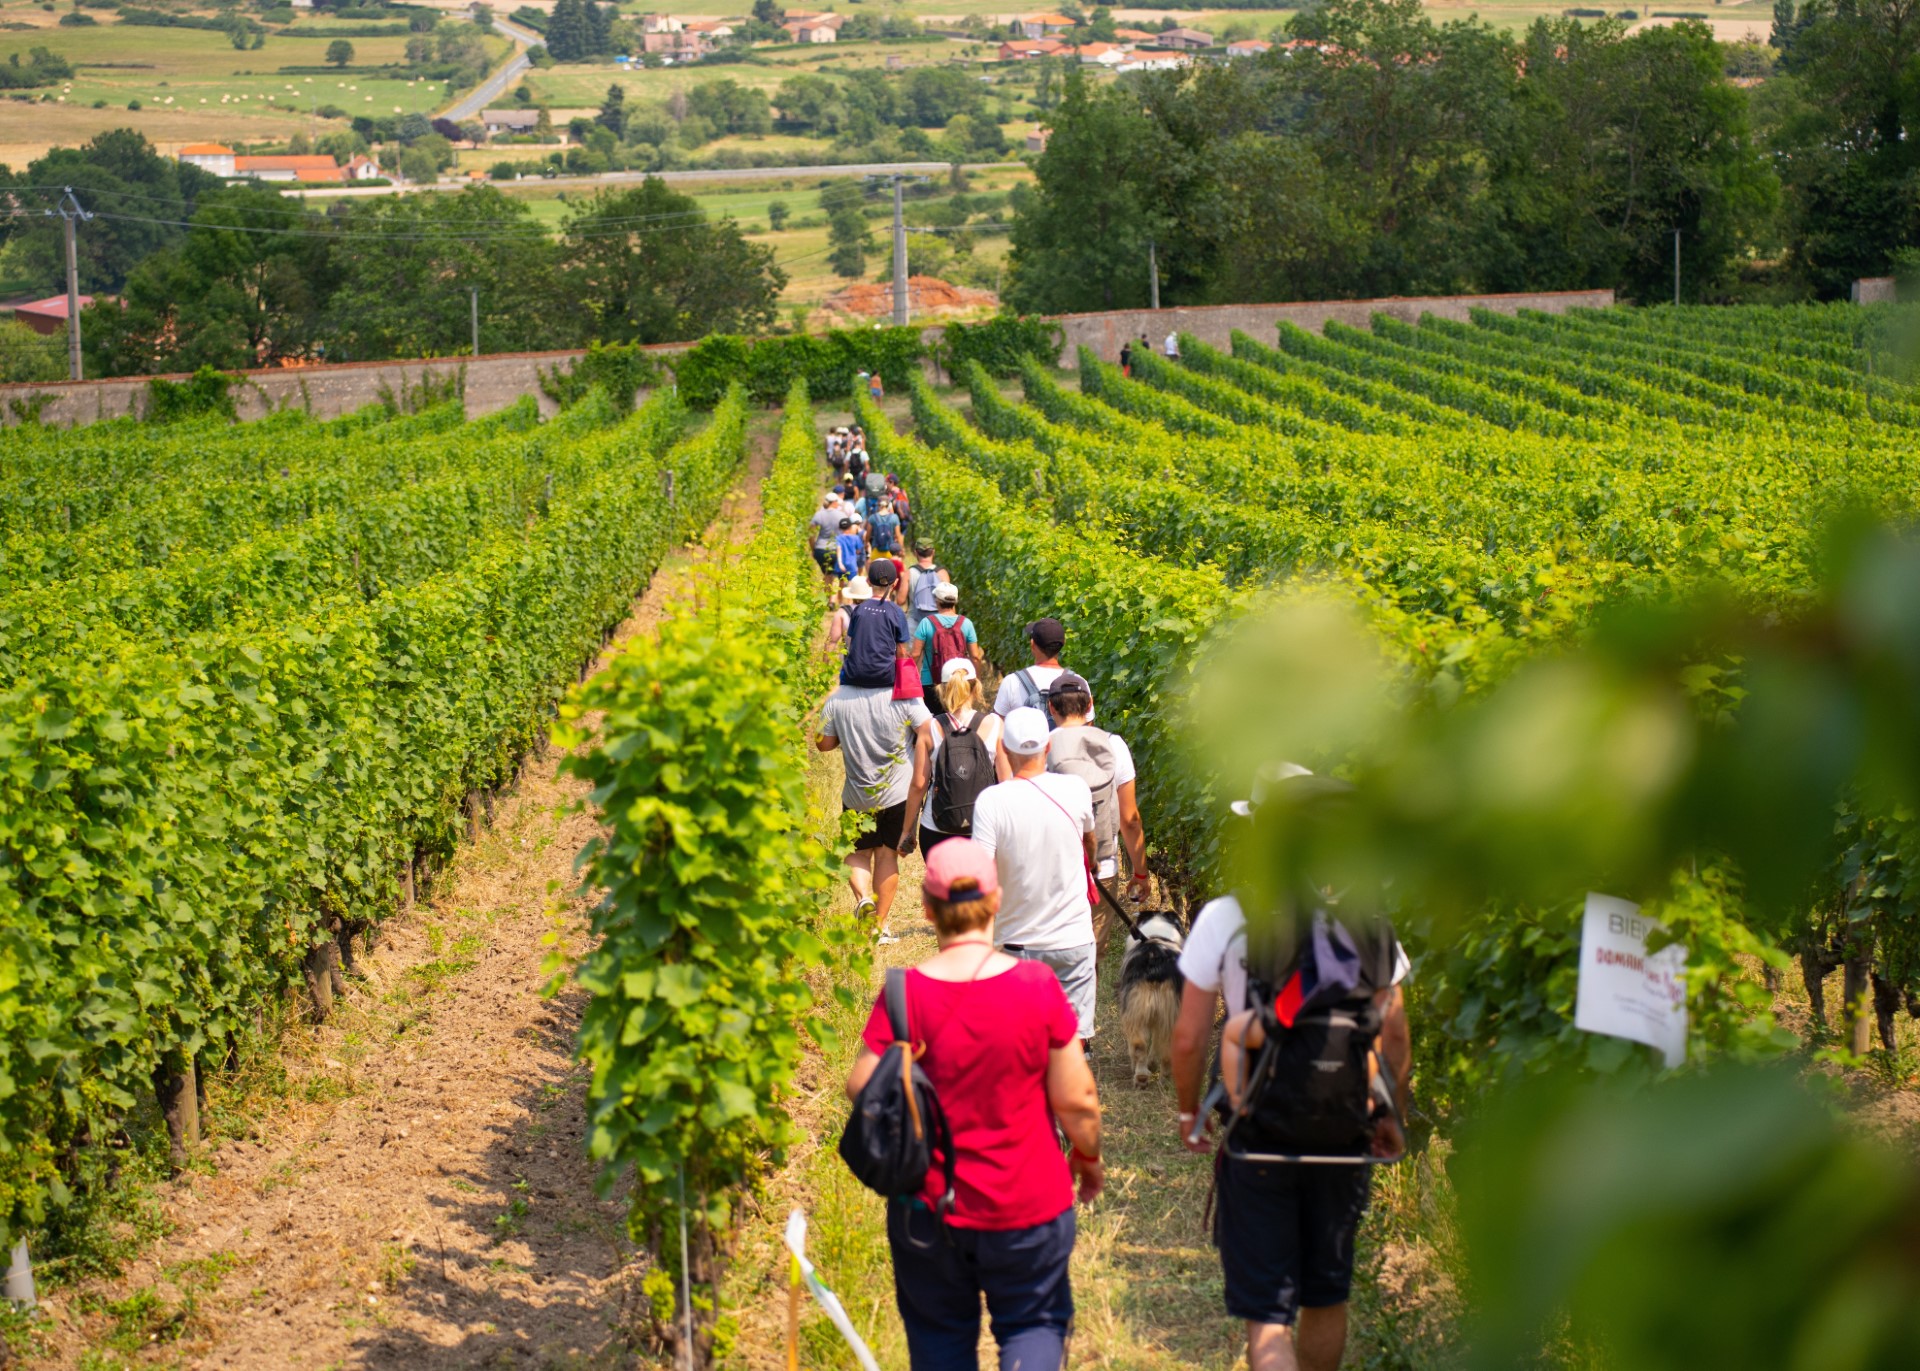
(1270, 1347)
(860, 875)
(886, 880)
(1322, 1337)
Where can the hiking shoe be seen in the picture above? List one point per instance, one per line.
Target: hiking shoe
(867, 908)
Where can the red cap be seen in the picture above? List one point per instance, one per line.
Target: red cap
(957, 859)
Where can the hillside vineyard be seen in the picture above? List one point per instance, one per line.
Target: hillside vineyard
(259, 680)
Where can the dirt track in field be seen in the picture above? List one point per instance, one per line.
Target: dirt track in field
(422, 1197)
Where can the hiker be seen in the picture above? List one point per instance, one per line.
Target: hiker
(1104, 761)
(886, 528)
(850, 549)
(999, 1050)
(1173, 347)
(823, 532)
(923, 578)
(902, 505)
(876, 390)
(1285, 1231)
(839, 618)
(944, 635)
(1126, 358)
(837, 450)
(857, 464)
(1038, 825)
(959, 763)
(877, 737)
(1027, 687)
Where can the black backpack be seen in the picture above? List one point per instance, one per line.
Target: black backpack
(1309, 1089)
(898, 1131)
(961, 771)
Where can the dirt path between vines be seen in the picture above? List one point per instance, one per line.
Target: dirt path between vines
(421, 1197)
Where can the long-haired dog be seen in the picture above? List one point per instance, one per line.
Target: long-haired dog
(1150, 986)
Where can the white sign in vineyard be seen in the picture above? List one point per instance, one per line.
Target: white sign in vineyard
(1625, 991)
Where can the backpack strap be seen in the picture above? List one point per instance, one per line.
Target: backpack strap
(1025, 676)
(896, 994)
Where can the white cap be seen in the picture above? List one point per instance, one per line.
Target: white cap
(1264, 782)
(958, 666)
(946, 593)
(1025, 734)
(857, 517)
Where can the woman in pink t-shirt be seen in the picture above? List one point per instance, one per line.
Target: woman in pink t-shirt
(1002, 1050)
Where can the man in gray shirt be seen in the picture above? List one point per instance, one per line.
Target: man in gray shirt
(823, 531)
(875, 736)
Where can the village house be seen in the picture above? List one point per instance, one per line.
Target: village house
(1101, 54)
(1041, 25)
(1134, 36)
(813, 28)
(48, 316)
(1185, 40)
(1037, 140)
(1155, 61)
(496, 121)
(1025, 49)
(209, 157)
(1248, 47)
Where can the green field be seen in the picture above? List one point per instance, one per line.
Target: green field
(194, 86)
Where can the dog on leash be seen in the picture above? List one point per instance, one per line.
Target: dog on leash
(1150, 986)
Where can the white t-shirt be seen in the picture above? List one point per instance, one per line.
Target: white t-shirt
(1215, 955)
(1039, 857)
(986, 725)
(1013, 695)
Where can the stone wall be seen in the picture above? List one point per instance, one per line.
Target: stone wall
(496, 381)
(492, 382)
(1213, 324)
(1875, 290)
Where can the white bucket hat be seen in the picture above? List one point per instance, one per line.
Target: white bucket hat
(1265, 780)
(856, 590)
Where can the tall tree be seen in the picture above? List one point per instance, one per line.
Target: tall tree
(569, 35)
(849, 239)
(648, 267)
(1083, 244)
(407, 262)
(246, 288)
(142, 199)
(613, 111)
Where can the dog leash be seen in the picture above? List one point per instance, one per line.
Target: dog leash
(1133, 929)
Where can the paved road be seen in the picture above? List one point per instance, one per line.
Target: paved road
(614, 178)
(489, 90)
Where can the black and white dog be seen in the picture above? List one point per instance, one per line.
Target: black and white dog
(1150, 985)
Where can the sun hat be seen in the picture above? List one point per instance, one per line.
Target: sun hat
(946, 593)
(1265, 781)
(960, 859)
(1025, 734)
(958, 666)
(856, 590)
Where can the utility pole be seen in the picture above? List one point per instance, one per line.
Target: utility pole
(1153, 274)
(1676, 266)
(899, 253)
(473, 293)
(70, 212)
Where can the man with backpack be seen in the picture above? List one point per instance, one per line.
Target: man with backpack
(1317, 983)
(1027, 687)
(882, 741)
(1038, 824)
(944, 635)
(885, 525)
(924, 577)
(1104, 761)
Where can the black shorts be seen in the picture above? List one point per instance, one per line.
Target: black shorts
(930, 838)
(827, 557)
(1286, 1234)
(889, 825)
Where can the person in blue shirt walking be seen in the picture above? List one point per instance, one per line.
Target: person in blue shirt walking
(852, 554)
(884, 524)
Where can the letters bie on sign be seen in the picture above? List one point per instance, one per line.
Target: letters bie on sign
(1625, 991)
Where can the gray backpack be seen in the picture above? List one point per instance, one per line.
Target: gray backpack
(1087, 752)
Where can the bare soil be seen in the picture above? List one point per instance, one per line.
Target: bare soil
(423, 1197)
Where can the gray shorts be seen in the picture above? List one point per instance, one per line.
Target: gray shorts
(1074, 967)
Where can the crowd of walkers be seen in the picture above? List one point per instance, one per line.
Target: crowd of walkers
(1025, 810)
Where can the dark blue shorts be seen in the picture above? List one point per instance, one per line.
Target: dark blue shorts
(938, 1279)
(1285, 1235)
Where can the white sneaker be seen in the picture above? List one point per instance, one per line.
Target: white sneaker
(867, 908)
(887, 939)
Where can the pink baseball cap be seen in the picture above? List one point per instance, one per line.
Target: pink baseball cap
(958, 859)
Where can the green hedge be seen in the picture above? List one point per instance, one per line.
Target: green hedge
(999, 344)
(768, 368)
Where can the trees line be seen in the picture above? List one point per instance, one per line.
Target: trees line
(1381, 153)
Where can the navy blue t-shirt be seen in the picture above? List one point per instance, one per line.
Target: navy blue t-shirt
(875, 628)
